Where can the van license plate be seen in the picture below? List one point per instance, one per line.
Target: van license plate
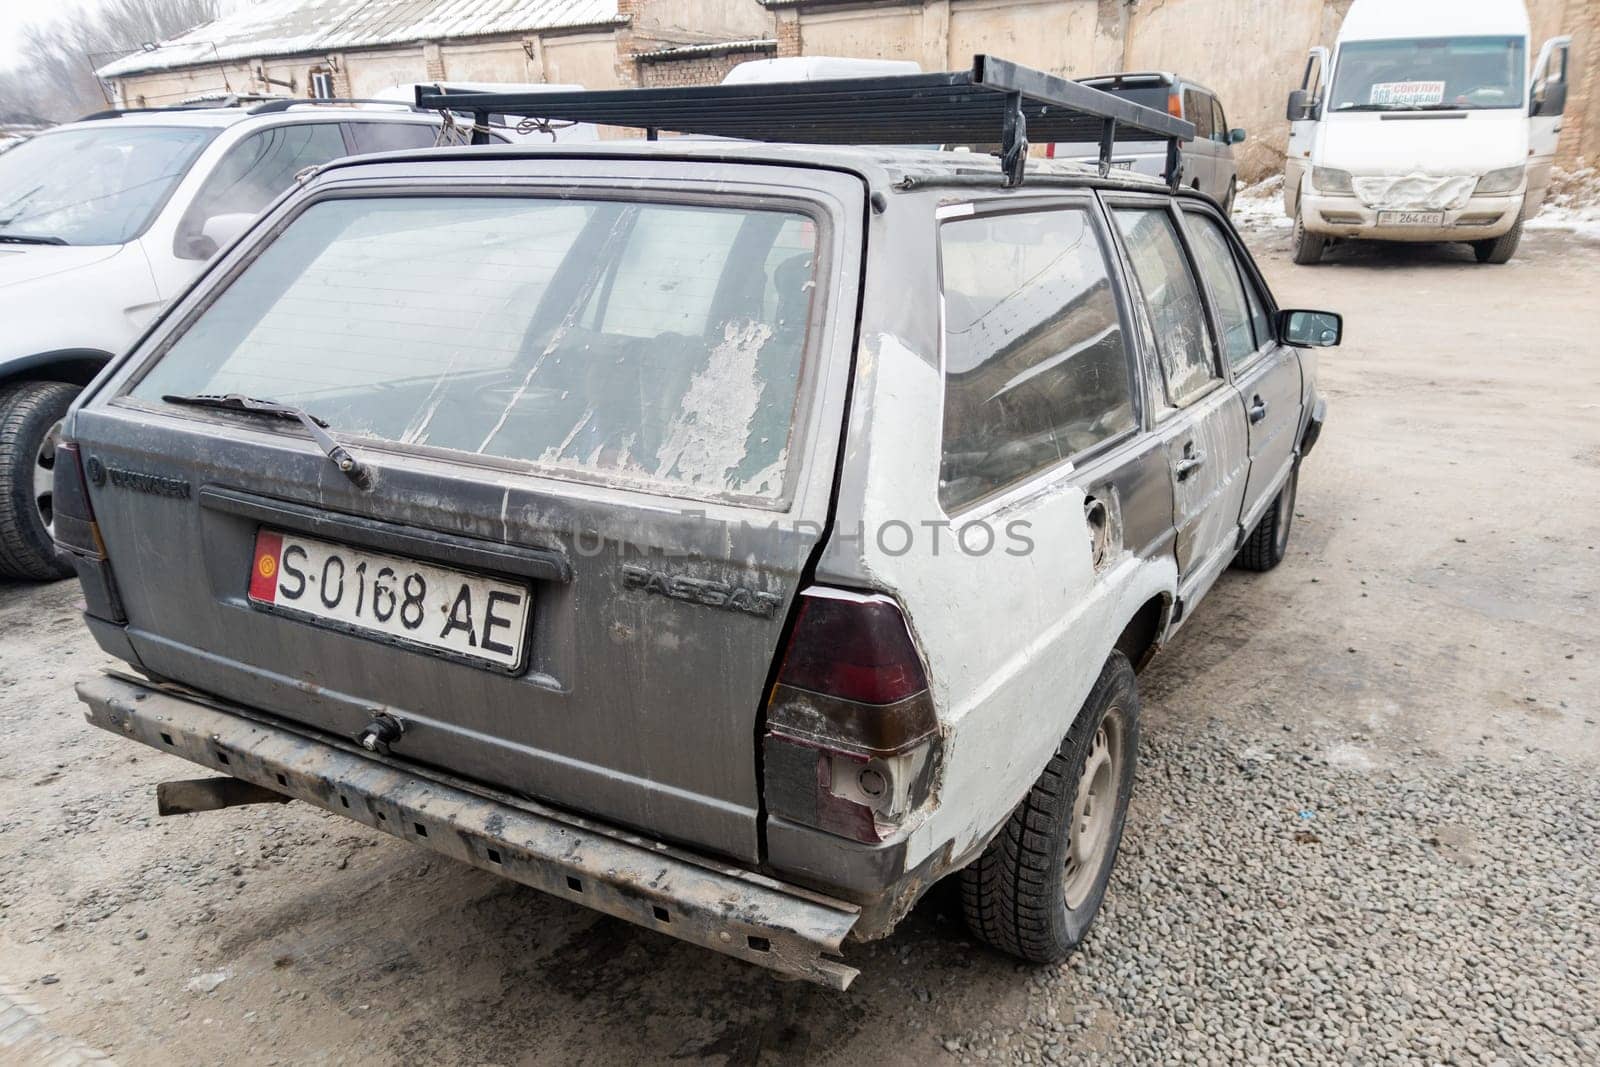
(437, 609)
(1410, 218)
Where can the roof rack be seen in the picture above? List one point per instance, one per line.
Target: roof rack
(997, 101)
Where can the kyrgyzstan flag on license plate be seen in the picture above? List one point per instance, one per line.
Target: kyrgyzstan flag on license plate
(264, 573)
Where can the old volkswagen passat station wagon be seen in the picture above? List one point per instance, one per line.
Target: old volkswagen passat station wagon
(733, 537)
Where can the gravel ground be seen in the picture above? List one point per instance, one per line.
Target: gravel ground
(1364, 830)
(1277, 904)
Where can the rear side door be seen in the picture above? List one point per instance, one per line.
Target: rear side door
(1266, 374)
(1201, 424)
(1303, 129)
(1227, 165)
(609, 391)
(1547, 91)
(1201, 173)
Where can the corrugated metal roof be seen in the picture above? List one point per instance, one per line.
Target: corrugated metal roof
(290, 27)
(714, 48)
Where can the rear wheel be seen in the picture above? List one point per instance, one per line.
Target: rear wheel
(1037, 887)
(30, 423)
(1268, 543)
(1308, 247)
(1499, 249)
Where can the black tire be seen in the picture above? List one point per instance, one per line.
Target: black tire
(1015, 895)
(1268, 543)
(1499, 249)
(29, 411)
(1308, 247)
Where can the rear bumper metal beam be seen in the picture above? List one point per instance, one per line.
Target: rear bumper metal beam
(753, 918)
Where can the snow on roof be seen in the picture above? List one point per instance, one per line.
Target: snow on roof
(291, 27)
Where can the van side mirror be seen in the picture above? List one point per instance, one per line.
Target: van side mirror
(1300, 103)
(1236, 136)
(1310, 329)
(1549, 99)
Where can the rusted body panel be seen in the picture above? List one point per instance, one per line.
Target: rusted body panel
(734, 912)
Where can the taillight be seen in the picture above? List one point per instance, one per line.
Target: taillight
(75, 527)
(1175, 105)
(851, 736)
(1050, 150)
(78, 535)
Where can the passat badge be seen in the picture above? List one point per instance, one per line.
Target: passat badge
(701, 591)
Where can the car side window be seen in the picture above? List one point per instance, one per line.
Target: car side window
(254, 172)
(392, 136)
(1037, 367)
(1197, 109)
(1260, 317)
(1183, 343)
(1219, 123)
(1214, 255)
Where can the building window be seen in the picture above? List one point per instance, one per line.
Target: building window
(322, 84)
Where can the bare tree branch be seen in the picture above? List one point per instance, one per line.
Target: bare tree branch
(56, 79)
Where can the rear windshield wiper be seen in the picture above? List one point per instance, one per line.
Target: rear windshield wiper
(29, 239)
(348, 465)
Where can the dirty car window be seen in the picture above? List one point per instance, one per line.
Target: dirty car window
(649, 344)
(1036, 366)
(1188, 359)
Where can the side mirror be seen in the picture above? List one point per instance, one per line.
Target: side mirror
(1299, 105)
(1236, 136)
(1310, 329)
(1549, 99)
(221, 230)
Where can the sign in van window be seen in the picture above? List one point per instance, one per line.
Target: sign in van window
(1407, 94)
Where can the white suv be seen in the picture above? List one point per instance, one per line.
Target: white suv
(103, 221)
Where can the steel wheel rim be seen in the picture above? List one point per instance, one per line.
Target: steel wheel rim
(44, 479)
(1094, 811)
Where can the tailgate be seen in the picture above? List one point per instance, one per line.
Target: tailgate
(571, 573)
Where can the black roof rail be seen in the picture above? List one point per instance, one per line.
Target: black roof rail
(995, 101)
(198, 105)
(287, 102)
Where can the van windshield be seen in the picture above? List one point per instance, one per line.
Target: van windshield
(99, 185)
(1430, 73)
(648, 343)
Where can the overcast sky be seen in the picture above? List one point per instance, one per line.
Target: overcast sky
(16, 15)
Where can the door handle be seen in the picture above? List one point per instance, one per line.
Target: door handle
(1258, 409)
(1191, 462)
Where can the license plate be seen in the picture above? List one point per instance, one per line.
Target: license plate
(1122, 164)
(387, 598)
(1410, 218)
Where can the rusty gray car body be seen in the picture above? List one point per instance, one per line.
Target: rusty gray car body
(622, 767)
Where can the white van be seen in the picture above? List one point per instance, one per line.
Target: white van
(1424, 125)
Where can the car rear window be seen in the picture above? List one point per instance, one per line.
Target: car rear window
(1036, 363)
(1151, 96)
(651, 343)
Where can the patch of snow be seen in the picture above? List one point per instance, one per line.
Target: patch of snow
(1573, 203)
(1261, 205)
(208, 983)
